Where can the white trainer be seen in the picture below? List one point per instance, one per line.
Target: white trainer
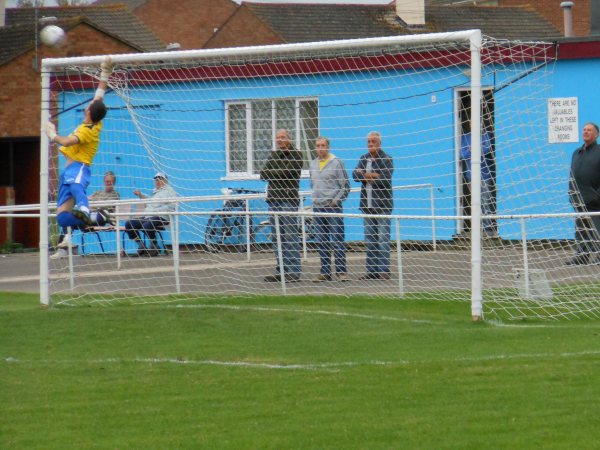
(60, 253)
(65, 242)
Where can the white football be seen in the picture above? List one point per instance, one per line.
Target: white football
(51, 35)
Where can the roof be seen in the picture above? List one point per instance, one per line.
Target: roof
(131, 5)
(18, 36)
(518, 22)
(296, 22)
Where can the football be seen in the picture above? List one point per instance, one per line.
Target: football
(52, 35)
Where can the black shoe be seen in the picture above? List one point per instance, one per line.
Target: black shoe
(580, 259)
(292, 278)
(277, 278)
(104, 217)
(320, 278)
(369, 276)
(82, 215)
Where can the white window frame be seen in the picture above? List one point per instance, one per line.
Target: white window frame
(248, 174)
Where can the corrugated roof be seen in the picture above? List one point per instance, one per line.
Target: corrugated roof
(131, 5)
(296, 22)
(18, 36)
(520, 23)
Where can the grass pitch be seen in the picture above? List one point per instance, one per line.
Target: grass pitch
(298, 373)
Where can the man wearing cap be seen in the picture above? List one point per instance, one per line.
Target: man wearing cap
(156, 215)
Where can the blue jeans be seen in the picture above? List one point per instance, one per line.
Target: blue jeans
(487, 204)
(330, 240)
(290, 238)
(377, 238)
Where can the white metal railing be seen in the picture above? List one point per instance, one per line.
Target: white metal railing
(228, 196)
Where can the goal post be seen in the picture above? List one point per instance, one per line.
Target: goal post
(208, 119)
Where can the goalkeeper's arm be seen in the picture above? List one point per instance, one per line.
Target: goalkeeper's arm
(106, 69)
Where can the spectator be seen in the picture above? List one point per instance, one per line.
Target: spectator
(487, 179)
(282, 172)
(584, 194)
(330, 187)
(374, 171)
(156, 216)
(108, 194)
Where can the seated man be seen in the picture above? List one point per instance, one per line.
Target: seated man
(155, 216)
(107, 194)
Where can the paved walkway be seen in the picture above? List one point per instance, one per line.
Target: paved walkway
(232, 274)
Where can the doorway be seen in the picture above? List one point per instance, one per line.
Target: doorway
(462, 130)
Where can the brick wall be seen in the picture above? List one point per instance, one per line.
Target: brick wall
(191, 30)
(20, 94)
(552, 11)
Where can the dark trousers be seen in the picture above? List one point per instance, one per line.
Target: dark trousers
(148, 225)
(587, 233)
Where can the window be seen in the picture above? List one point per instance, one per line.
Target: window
(252, 125)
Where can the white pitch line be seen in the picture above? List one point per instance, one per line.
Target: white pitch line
(309, 311)
(329, 366)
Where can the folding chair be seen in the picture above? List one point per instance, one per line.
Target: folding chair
(160, 240)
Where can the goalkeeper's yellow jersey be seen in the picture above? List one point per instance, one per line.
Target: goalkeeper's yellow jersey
(89, 139)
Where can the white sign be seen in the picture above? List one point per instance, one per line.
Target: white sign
(563, 120)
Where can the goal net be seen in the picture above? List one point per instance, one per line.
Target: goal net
(208, 120)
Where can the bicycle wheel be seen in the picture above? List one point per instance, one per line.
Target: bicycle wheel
(214, 233)
(235, 232)
(223, 231)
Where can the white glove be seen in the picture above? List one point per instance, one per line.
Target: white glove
(50, 130)
(106, 67)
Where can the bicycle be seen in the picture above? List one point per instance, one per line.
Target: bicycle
(223, 230)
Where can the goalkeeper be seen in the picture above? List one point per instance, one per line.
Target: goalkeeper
(79, 148)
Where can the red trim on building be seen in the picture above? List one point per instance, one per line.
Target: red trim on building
(579, 50)
(403, 61)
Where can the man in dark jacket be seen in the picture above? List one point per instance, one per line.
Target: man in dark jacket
(584, 193)
(282, 172)
(374, 171)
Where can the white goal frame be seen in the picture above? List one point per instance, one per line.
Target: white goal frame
(472, 38)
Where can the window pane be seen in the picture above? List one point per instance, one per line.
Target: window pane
(309, 129)
(285, 111)
(237, 138)
(262, 132)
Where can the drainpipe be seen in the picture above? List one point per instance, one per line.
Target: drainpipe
(568, 17)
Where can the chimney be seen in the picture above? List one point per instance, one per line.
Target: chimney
(412, 12)
(568, 17)
(2, 13)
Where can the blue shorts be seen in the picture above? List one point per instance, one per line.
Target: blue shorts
(74, 173)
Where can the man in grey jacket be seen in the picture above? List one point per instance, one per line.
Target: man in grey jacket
(330, 187)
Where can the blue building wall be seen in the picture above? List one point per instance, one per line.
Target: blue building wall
(181, 130)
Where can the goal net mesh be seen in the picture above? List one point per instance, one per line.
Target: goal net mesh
(209, 119)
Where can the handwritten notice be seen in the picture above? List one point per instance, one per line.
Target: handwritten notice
(563, 120)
